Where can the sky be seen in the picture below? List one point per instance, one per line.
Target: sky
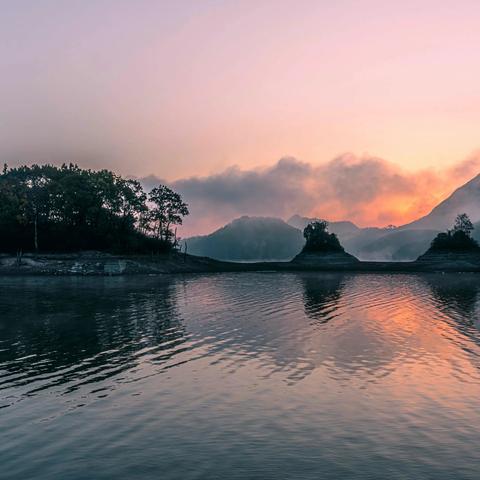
(223, 98)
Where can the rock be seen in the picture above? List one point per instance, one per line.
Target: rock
(325, 259)
(457, 261)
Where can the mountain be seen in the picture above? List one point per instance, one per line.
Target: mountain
(342, 228)
(465, 199)
(392, 245)
(264, 238)
(354, 239)
(249, 239)
(411, 240)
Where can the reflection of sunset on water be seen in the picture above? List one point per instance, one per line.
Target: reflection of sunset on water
(355, 371)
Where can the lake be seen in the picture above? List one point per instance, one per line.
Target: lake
(240, 376)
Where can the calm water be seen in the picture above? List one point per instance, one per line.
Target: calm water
(246, 376)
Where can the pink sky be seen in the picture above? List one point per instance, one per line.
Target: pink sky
(187, 88)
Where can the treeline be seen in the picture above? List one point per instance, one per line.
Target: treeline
(458, 239)
(60, 209)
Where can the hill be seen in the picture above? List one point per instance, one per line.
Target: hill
(259, 238)
(356, 240)
(394, 245)
(343, 228)
(249, 239)
(266, 238)
(465, 199)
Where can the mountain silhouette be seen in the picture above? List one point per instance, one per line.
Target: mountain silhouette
(465, 199)
(249, 239)
(267, 238)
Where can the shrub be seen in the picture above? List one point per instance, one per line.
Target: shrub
(318, 239)
(457, 241)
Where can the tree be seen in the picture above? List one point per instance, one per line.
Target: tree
(34, 184)
(168, 209)
(319, 240)
(463, 224)
(315, 229)
(457, 239)
(49, 208)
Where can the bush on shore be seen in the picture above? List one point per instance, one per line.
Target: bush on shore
(458, 239)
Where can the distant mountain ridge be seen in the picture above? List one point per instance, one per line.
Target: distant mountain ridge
(339, 228)
(465, 199)
(270, 238)
(248, 239)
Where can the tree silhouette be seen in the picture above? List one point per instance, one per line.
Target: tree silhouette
(49, 208)
(318, 239)
(458, 239)
(463, 224)
(168, 210)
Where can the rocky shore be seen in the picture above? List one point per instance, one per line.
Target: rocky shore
(95, 263)
(458, 261)
(333, 259)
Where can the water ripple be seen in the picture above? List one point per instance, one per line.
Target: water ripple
(384, 367)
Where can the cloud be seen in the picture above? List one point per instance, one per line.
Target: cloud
(466, 169)
(272, 190)
(366, 190)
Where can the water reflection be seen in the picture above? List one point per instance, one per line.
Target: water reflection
(72, 332)
(66, 333)
(240, 376)
(457, 295)
(364, 345)
(321, 295)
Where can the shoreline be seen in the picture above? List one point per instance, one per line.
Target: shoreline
(103, 264)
